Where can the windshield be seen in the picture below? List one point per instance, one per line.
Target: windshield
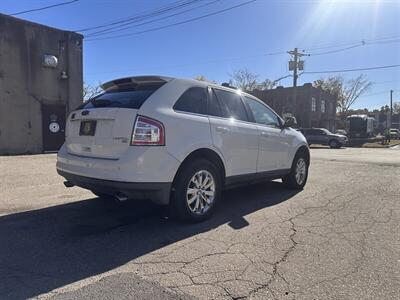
(326, 131)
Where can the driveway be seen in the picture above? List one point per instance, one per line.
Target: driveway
(337, 239)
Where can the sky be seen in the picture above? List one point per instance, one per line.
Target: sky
(338, 35)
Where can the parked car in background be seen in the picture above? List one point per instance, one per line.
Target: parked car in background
(394, 133)
(341, 132)
(178, 142)
(323, 136)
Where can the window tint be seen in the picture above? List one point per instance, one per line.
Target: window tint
(231, 105)
(316, 132)
(122, 97)
(262, 114)
(194, 100)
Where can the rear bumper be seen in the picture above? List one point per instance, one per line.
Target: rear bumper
(137, 164)
(158, 192)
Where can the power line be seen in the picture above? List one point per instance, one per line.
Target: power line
(43, 8)
(175, 24)
(145, 15)
(353, 70)
(360, 44)
(337, 50)
(194, 64)
(125, 26)
(376, 39)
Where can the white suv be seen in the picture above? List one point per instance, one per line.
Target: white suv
(178, 142)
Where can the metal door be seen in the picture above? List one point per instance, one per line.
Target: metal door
(53, 127)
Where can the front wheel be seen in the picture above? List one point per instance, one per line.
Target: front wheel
(197, 188)
(335, 144)
(298, 175)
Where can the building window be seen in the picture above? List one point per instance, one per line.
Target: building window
(322, 106)
(313, 104)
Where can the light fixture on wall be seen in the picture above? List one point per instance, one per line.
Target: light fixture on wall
(63, 75)
(50, 61)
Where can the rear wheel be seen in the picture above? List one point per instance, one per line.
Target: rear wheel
(298, 175)
(197, 188)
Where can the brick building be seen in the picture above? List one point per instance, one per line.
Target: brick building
(314, 107)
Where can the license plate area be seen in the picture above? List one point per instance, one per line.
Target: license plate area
(87, 128)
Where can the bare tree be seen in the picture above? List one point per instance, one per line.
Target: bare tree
(267, 84)
(346, 91)
(203, 78)
(90, 91)
(396, 107)
(243, 79)
(248, 81)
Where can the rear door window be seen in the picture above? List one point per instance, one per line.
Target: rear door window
(231, 105)
(315, 132)
(194, 100)
(123, 97)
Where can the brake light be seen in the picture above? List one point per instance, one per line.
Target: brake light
(148, 132)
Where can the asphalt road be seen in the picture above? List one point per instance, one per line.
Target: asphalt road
(337, 239)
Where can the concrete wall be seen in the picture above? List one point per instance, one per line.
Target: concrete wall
(25, 83)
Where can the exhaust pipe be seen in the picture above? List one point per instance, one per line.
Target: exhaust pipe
(121, 197)
(68, 184)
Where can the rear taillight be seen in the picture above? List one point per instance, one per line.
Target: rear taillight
(148, 132)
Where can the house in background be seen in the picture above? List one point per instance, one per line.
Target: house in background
(40, 82)
(314, 107)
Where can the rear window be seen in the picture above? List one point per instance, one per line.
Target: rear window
(122, 97)
(231, 105)
(194, 100)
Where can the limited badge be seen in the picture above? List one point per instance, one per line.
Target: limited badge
(54, 127)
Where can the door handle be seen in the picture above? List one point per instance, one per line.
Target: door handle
(222, 129)
(264, 134)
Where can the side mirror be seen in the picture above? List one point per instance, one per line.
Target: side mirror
(290, 122)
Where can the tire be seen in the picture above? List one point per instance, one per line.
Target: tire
(334, 144)
(300, 164)
(193, 201)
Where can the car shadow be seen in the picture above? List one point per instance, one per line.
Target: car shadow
(45, 249)
(326, 147)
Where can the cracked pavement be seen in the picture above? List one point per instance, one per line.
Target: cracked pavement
(337, 239)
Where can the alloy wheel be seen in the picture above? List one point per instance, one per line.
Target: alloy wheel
(200, 192)
(300, 171)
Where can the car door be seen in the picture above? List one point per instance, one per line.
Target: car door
(232, 133)
(274, 142)
(320, 136)
(308, 135)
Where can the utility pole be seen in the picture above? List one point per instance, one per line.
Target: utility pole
(391, 108)
(295, 65)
